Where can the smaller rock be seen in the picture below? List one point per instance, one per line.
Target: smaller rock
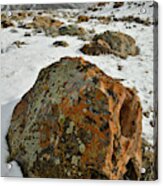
(45, 21)
(104, 20)
(7, 23)
(17, 16)
(152, 124)
(146, 114)
(72, 30)
(102, 3)
(29, 14)
(13, 31)
(60, 44)
(116, 43)
(83, 18)
(19, 43)
(118, 4)
(27, 34)
(120, 67)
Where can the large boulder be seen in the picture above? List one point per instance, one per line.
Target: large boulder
(116, 43)
(77, 122)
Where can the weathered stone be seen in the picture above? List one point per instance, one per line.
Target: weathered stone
(83, 18)
(5, 23)
(27, 34)
(77, 122)
(17, 16)
(19, 43)
(104, 19)
(118, 4)
(103, 3)
(116, 43)
(60, 44)
(72, 30)
(43, 22)
(132, 19)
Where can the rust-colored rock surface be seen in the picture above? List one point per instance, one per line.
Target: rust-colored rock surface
(116, 43)
(77, 122)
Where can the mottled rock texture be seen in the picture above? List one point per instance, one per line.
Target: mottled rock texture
(77, 122)
(116, 43)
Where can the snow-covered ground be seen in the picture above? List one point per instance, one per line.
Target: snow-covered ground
(20, 66)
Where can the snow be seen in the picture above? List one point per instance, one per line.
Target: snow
(20, 66)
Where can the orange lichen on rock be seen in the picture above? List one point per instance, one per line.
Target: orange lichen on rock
(84, 125)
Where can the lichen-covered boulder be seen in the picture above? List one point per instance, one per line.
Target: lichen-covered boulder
(76, 122)
(116, 43)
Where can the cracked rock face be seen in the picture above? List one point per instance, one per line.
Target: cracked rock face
(76, 122)
(116, 43)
